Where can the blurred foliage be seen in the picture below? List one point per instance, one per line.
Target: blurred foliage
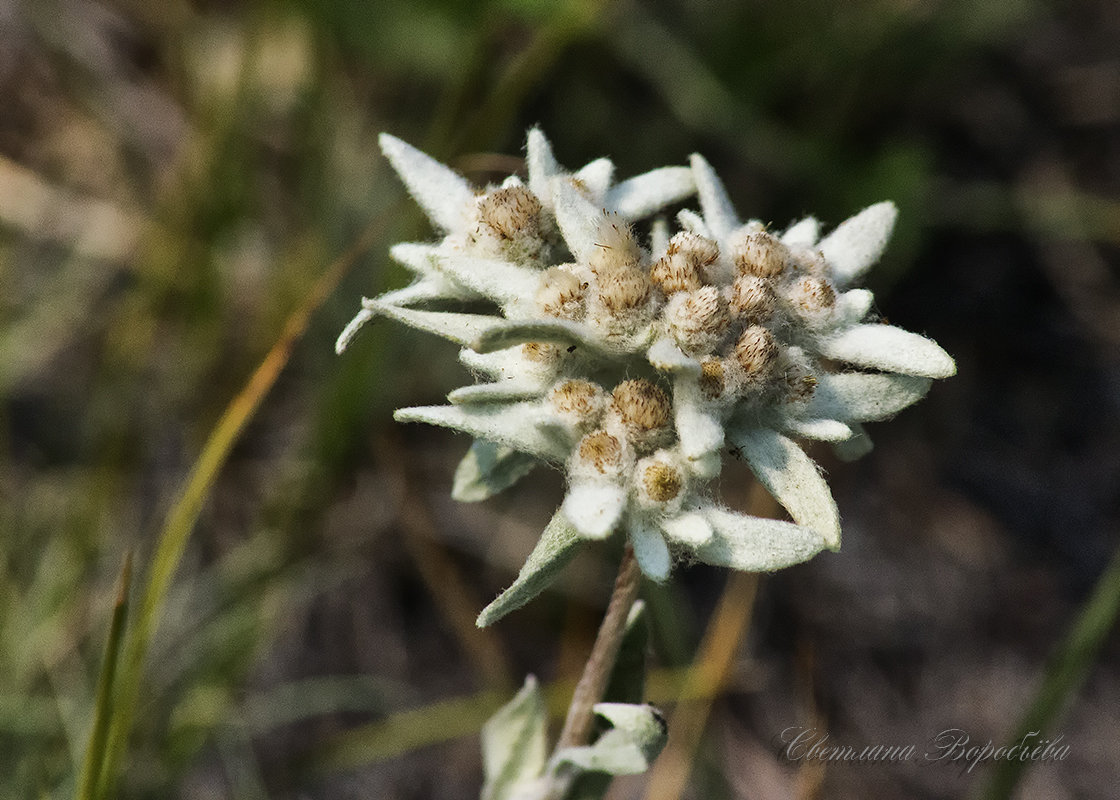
(175, 178)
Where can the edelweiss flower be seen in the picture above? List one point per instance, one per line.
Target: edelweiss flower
(631, 367)
(508, 223)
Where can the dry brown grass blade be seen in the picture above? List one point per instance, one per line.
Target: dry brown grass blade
(184, 513)
(669, 776)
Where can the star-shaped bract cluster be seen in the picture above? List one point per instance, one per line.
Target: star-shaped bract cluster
(631, 364)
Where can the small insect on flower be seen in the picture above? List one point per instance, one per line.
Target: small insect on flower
(631, 362)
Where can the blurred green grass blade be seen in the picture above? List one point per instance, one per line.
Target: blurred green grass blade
(405, 731)
(98, 738)
(401, 732)
(184, 513)
(1065, 673)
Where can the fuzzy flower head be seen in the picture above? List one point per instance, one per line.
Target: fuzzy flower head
(630, 362)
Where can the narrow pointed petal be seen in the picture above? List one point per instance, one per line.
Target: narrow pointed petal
(521, 426)
(422, 260)
(823, 430)
(351, 330)
(864, 397)
(541, 166)
(499, 391)
(852, 306)
(890, 349)
(501, 281)
(492, 365)
(594, 509)
(487, 469)
(459, 328)
(642, 195)
(694, 223)
(425, 290)
(596, 176)
(690, 529)
(507, 365)
(562, 332)
(556, 547)
(650, 550)
(664, 355)
(859, 241)
(855, 448)
(754, 544)
(792, 478)
(716, 206)
(417, 256)
(803, 233)
(578, 217)
(445, 196)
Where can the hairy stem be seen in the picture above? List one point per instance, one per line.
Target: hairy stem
(597, 671)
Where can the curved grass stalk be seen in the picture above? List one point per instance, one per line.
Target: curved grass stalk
(184, 513)
(708, 674)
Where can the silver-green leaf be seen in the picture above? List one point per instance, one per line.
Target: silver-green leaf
(891, 349)
(637, 735)
(556, 547)
(792, 478)
(520, 426)
(515, 744)
(488, 469)
(755, 544)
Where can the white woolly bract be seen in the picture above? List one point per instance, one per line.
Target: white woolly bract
(633, 357)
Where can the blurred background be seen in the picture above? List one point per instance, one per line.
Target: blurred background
(177, 178)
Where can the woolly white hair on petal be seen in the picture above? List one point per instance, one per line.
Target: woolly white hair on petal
(852, 306)
(443, 193)
(541, 165)
(459, 328)
(755, 544)
(522, 426)
(578, 218)
(719, 213)
(792, 478)
(664, 355)
(803, 233)
(693, 223)
(501, 281)
(823, 430)
(864, 397)
(596, 176)
(642, 195)
(594, 509)
(699, 430)
(690, 529)
(891, 349)
(858, 242)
